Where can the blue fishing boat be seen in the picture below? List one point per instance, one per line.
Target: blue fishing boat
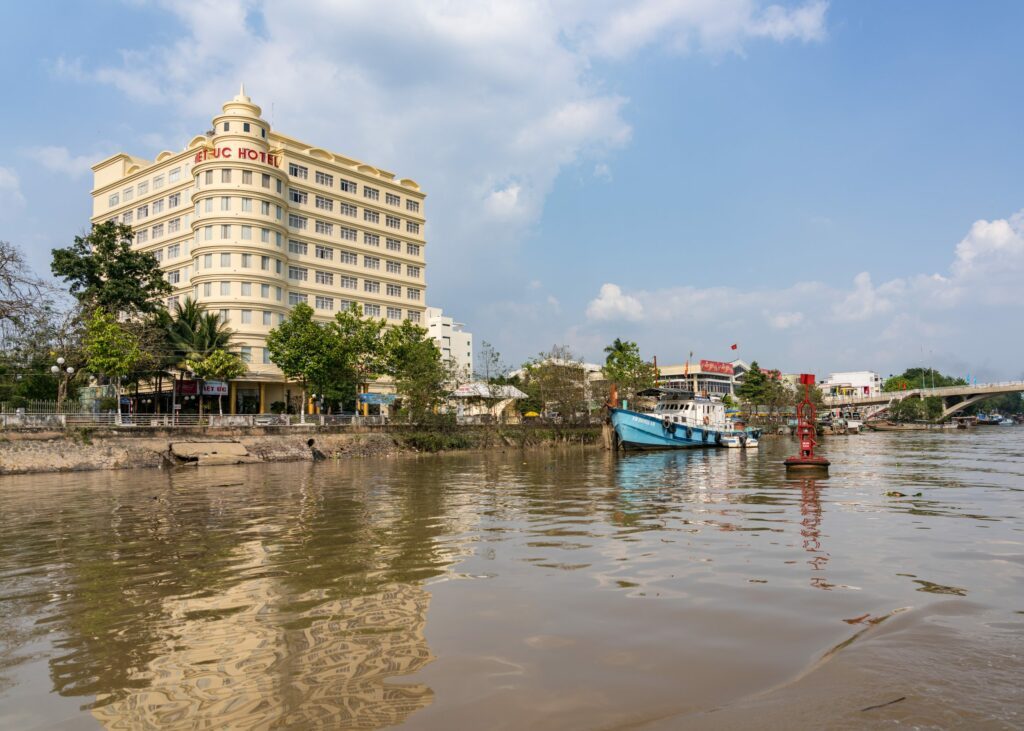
(679, 422)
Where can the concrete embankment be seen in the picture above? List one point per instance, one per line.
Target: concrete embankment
(24, 452)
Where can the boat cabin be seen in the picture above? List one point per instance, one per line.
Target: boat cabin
(693, 412)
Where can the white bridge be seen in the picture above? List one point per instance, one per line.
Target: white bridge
(954, 398)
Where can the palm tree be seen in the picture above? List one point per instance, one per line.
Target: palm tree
(195, 333)
(617, 349)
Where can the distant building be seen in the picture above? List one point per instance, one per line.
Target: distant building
(711, 377)
(851, 383)
(452, 339)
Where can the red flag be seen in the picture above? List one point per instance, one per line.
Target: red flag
(734, 346)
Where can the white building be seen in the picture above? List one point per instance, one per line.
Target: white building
(851, 383)
(452, 339)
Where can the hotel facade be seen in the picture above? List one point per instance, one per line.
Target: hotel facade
(249, 222)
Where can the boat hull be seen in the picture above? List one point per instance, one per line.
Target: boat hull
(637, 431)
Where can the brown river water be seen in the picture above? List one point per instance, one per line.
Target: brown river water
(537, 590)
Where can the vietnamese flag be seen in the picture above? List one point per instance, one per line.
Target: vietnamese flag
(734, 346)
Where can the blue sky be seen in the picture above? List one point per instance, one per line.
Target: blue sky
(831, 185)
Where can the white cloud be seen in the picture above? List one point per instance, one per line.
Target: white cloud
(612, 304)
(11, 198)
(784, 320)
(60, 160)
(602, 172)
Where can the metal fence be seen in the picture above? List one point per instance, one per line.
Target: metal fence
(25, 419)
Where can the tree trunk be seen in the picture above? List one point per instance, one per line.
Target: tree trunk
(220, 404)
(117, 398)
(302, 412)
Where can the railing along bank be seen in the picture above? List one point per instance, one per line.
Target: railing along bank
(36, 420)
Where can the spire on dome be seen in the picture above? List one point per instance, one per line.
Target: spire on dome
(241, 95)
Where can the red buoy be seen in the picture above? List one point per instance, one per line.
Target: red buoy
(806, 432)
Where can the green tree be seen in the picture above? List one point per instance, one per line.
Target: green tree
(361, 353)
(421, 376)
(490, 368)
(907, 409)
(110, 350)
(305, 351)
(558, 381)
(220, 365)
(103, 271)
(626, 369)
(753, 389)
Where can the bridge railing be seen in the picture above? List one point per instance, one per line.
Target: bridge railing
(994, 388)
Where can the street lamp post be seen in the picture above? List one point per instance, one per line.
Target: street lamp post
(62, 384)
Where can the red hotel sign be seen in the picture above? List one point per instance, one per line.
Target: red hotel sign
(714, 366)
(237, 153)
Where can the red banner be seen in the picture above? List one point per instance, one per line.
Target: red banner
(714, 366)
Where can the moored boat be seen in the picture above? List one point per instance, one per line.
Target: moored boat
(679, 422)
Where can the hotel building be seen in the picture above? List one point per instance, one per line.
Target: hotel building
(249, 222)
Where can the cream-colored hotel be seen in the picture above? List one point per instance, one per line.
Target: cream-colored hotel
(249, 222)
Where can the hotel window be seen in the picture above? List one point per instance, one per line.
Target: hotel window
(208, 177)
(297, 247)
(371, 239)
(394, 290)
(413, 228)
(392, 221)
(348, 304)
(295, 298)
(224, 315)
(225, 175)
(324, 179)
(245, 127)
(394, 267)
(247, 177)
(299, 222)
(227, 126)
(246, 233)
(324, 252)
(158, 255)
(371, 286)
(113, 200)
(173, 251)
(348, 234)
(264, 208)
(265, 235)
(174, 200)
(174, 175)
(172, 302)
(158, 206)
(128, 194)
(412, 271)
(412, 249)
(277, 296)
(225, 260)
(225, 289)
(324, 303)
(347, 185)
(126, 217)
(174, 277)
(247, 205)
(411, 205)
(143, 188)
(247, 261)
(277, 212)
(347, 209)
(371, 216)
(300, 274)
(247, 289)
(413, 294)
(349, 283)
(297, 171)
(413, 316)
(245, 352)
(207, 261)
(298, 196)
(347, 257)
(225, 203)
(267, 317)
(208, 205)
(394, 245)
(278, 181)
(207, 289)
(371, 262)
(174, 225)
(278, 239)
(246, 314)
(142, 236)
(371, 310)
(265, 263)
(392, 200)
(142, 211)
(265, 180)
(324, 204)
(277, 267)
(265, 291)
(266, 351)
(371, 193)
(158, 182)
(325, 278)
(225, 231)
(324, 228)
(197, 180)
(207, 232)
(394, 313)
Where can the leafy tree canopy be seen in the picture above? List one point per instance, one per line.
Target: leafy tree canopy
(625, 368)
